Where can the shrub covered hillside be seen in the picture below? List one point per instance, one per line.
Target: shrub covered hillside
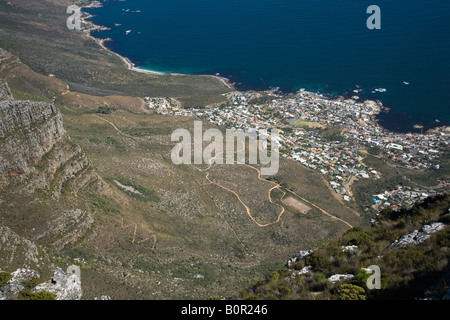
(411, 248)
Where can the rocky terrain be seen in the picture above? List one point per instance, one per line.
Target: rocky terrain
(37, 163)
(418, 236)
(100, 191)
(62, 285)
(66, 197)
(35, 146)
(415, 266)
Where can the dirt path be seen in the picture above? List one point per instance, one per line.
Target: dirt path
(248, 211)
(246, 249)
(117, 129)
(322, 210)
(303, 199)
(134, 234)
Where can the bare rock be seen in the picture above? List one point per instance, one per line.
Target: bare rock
(298, 256)
(5, 92)
(418, 236)
(13, 248)
(64, 286)
(339, 277)
(14, 286)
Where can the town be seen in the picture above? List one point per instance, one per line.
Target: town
(331, 136)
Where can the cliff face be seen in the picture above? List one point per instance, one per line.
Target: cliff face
(38, 164)
(35, 148)
(5, 93)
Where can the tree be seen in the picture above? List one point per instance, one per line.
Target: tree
(318, 262)
(105, 110)
(361, 278)
(350, 292)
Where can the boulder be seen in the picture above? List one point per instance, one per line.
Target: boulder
(64, 286)
(339, 277)
(418, 236)
(14, 286)
(298, 256)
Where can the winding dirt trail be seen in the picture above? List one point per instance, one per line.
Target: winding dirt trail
(247, 209)
(134, 234)
(277, 186)
(115, 128)
(303, 199)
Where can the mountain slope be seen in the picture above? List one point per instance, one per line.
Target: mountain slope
(38, 161)
(411, 248)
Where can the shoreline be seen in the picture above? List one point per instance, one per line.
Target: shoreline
(127, 62)
(131, 66)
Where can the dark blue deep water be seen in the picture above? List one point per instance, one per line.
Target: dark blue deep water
(320, 45)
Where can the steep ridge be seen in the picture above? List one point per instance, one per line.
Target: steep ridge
(32, 134)
(38, 163)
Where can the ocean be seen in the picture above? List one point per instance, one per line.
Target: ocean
(320, 45)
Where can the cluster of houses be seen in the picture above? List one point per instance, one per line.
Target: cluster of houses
(339, 157)
(404, 196)
(167, 107)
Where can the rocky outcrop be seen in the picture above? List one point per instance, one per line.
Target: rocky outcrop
(13, 248)
(349, 249)
(15, 285)
(67, 227)
(302, 255)
(303, 271)
(340, 277)
(5, 92)
(35, 147)
(418, 236)
(64, 286)
(38, 163)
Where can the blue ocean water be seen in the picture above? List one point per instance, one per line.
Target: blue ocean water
(320, 45)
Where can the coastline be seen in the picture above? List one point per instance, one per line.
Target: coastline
(127, 62)
(91, 26)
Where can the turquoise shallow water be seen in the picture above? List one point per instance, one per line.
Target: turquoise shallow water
(320, 45)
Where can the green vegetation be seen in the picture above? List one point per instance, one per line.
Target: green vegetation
(105, 110)
(350, 292)
(4, 278)
(318, 262)
(42, 295)
(406, 273)
(90, 69)
(103, 204)
(31, 283)
(140, 193)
